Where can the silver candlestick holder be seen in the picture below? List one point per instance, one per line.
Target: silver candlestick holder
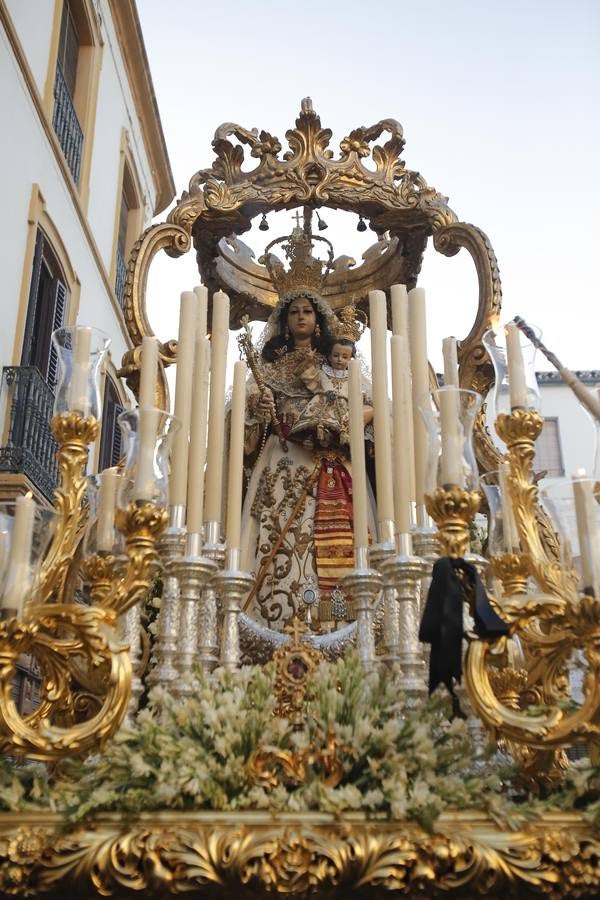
(163, 670)
(364, 584)
(194, 572)
(232, 585)
(379, 553)
(405, 572)
(208, 628)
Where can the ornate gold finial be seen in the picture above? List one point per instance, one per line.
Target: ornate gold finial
(350, 323)
(305, 276)
(295, 661)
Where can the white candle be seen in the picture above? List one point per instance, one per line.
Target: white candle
(236, 459)
(105, 527)
(18, 578)
(357, 456)
(509, 524)
(195, 496)
(399, 309)
(78, 391)
(183, 397)
(420, 390)
(148, 372)
(402, 432)
(586, 511)
(451, 462)
(216, 432)
(516, 367)
(202, 294)
(143, 482)
(381, 410)
(450, 354)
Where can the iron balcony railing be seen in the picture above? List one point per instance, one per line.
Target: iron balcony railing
(30, 447)
(66, 124)
(120, 276)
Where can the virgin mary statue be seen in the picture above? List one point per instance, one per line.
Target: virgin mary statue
(297, 515)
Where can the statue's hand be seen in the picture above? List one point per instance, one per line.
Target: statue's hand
(265, 405)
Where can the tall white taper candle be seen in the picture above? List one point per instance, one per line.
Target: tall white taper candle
(402, 439)
(357, 456)
(451, 462)
(588, 532)
(143, 482)
(202, 294)
(105, 528)
(417, 324)
(216, 432)
(148, 372)
(183, 397)
(18, 577)
(450, 354)
(509, 526)
(78, 392)
(195, 497)
(399, 303)
(381, 412)
(517, 386)
(233, 530)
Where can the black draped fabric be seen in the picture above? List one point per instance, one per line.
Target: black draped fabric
(442, 622)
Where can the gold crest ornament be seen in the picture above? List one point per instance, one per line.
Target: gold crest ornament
(350, 324)
(305, 276)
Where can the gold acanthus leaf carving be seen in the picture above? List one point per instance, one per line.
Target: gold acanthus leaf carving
(221, 856)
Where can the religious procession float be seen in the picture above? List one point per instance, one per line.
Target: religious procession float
(335, 641)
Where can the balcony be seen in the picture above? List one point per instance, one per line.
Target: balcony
(30, 448)
(120, 276)
(66, 124)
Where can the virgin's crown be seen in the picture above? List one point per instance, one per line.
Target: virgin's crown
(306, 274)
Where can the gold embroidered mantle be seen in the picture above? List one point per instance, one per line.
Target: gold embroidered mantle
(235, 855)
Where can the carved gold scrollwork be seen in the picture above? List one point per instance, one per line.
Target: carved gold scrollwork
(75, 644)
(58, 635)
(220, 856)
(551, 624)
(175, 241)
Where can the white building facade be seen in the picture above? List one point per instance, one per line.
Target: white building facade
(84, 168)
(568, 440)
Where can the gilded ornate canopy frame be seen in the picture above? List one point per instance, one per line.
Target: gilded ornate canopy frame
(222, 201)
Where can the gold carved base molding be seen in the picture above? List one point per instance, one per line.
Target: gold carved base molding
(297, 855)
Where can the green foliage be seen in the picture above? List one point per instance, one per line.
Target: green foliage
(193, 754)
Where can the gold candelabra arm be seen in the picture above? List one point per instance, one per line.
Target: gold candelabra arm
(74, 433)
(519, 430)
(142, 524)
(59, 635)
(452, 510)
(551, 629)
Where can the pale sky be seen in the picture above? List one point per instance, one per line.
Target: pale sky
(500, 108)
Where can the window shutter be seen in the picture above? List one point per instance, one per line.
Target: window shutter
(117, 437)
(60, 307)
(548, 454)
(36, 271)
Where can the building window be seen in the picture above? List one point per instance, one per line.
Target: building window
(122, 249)
(45, 312)
(128, 227)
(65, 119)
(110, 437)
(548, 451)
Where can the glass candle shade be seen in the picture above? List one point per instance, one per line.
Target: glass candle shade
(503, 533)
(80, 352)
(101, 535)
(148, 434)
(25, 532)
(449, 420)
(495, 342)
(576, 517)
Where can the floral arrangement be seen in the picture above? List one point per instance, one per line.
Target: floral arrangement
(195, 753)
